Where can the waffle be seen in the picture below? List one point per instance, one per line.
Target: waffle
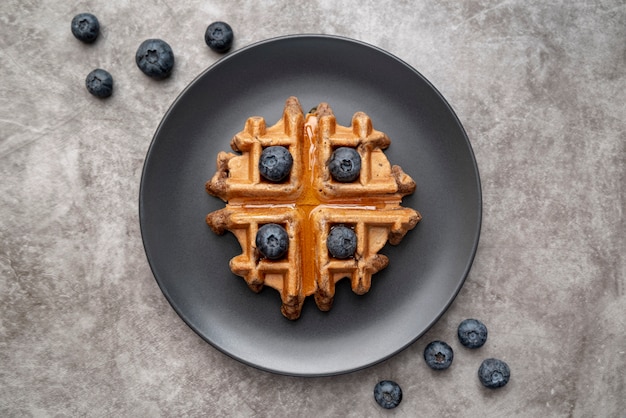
(309, 203)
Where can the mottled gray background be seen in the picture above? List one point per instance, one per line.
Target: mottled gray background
(540, 88)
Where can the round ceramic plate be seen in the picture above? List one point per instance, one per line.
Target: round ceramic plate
(190, 262)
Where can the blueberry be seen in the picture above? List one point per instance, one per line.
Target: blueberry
(472, 333)
(272, 241)
(494, 373)
(341, 242)
(388, 394)
(438, 355)
(345, 164)
(219, 36)
(85, 27)
(99, 83)
(275, 163)
(155, 58)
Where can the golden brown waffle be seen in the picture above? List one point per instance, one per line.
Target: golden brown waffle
(309, 203)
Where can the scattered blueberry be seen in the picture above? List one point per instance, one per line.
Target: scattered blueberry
(275, 163)
(494, 373)
(472, 333)
(388, 394)
(272, 241)
(99, 83)
(155, 58)
(219, 36)
(341, 242)
(345, 164)
(438, 355)
(85, 27)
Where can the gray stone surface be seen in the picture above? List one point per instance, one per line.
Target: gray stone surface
(539, 87)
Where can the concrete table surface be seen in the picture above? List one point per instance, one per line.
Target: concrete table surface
(539, 87)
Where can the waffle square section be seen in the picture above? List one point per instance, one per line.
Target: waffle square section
(310, 202)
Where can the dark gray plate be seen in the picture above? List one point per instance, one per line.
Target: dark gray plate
(190, 262)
